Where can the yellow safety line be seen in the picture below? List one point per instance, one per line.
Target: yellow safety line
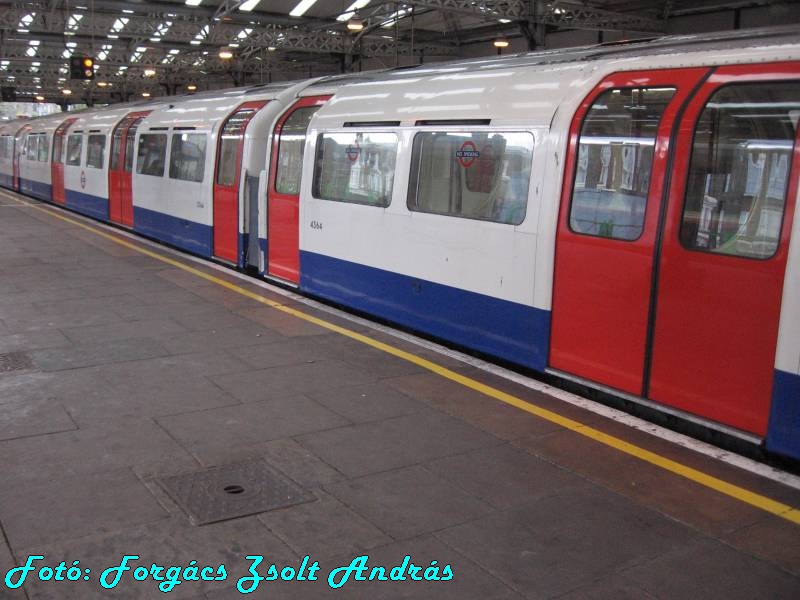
(764, 503)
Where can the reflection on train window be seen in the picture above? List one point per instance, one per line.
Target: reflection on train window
(187, 156)
(739, 169)
(477, 175)
(74, 147)
(116, 148)
(355, 167)
(290, 150)
(129, 144)
(44, 148)
(152, 154)
(232, 134)
(94, 152)
(5, 147)
(58, 146)
(31, 147)
(615, 157)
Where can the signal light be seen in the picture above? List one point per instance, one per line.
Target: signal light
(81, 67)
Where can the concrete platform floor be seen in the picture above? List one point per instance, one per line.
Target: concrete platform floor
(130, 369)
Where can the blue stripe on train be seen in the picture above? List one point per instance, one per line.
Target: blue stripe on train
(783, 434)
(191, 236)
(87, 204)
(504, 329)
(37, 189)
(7, 180)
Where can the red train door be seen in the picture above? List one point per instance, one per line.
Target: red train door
(226, 180)
(120, 188)
(16, 155)
(57, 162)
(726, 237)
(283, 199)
(607, 228)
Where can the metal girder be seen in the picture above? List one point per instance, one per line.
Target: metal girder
(576, 16)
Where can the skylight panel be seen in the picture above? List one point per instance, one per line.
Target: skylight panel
(25, 22)
(73, 23)
(201, 35)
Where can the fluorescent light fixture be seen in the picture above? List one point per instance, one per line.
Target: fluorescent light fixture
(501, 42)
(66, 92)
(301, 8)
(149, 72)
(225, 54)
(102, 83)
(145, 94)
(191, 87)
(40, 98)
(351, 10)
(193, 2)
(249, 5)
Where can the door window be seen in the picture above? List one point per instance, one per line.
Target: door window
(129, 144)
(95, 150)
(290, 150)
(231, 135)
(739, 169)
(615, 158)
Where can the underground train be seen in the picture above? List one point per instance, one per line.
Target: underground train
(622, 216)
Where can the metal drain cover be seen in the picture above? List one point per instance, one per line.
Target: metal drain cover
(231, 491)
(15, 361)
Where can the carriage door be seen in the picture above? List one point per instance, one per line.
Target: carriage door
(226, 181)
(120, 188)
(16, 154)
(725, 245)
(57, 162)
(283, 204)
(607, 229)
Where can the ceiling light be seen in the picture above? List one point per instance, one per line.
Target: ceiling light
(102, 84)
(149, 72)
(193, 2)
(355, 23)
(302, 7)
(145, 94)
(225, 54)
(249, 5)
(191, 87)
(501, 42)
(66, 92)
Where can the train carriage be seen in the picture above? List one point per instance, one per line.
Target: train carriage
(653, 258)
(197, 167)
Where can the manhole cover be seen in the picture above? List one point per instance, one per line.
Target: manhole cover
(15, 361)
(232, 491)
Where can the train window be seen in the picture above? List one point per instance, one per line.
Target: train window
(739, 169)
(152, 154)
(95, 150)
(188, 156)
(58, 143)
(44, 147)
(74, 148)
(5, 147)
(116, 148)
(231, 136)
(615, 156)
(129, 144)
(355, 167)
(32, 147)
(475, 175)
(290, 150)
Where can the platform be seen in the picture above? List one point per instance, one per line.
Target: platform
(125, 365)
